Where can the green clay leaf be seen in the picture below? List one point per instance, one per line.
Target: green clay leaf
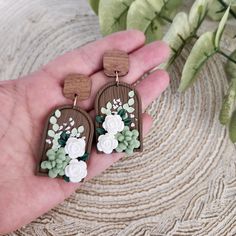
(122, 113)
(58, 113)
(100, 119)
(55, 127)
(109, 105)
(130, 109)
(232, 128)
(112, 15)
(52, 174)
(202, 50)
(84, 157)
(43, 165)
(231, 67)
(48, 165)
(100, 131)
(61, 173)
(221, 28)
(135, 133)
(67, 179)
(228, 104)
(126, 106)
(51, 133)
(131, 101)
(127, 121)
(131, 94)
(74, 132)
(94, 5)
(81, 129)
(53, 120)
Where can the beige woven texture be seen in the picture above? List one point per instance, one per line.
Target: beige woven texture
(184, 183)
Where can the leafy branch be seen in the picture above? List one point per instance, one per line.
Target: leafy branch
(154, 17)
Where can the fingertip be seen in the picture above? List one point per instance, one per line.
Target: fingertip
(164, 78)
(138, 35)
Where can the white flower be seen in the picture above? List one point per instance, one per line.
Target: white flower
(113, 124)
(76, 170)
(75, 147)
(107, 143)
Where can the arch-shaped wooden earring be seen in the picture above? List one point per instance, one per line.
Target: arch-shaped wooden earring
(118, 109)
(68, 135)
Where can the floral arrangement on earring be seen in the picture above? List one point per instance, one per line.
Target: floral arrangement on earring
(68, 135)
(115, 133)
(118, 109)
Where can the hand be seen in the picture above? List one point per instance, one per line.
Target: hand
(25, 104)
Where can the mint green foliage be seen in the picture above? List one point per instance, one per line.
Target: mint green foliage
(128, 140)
(56, 163)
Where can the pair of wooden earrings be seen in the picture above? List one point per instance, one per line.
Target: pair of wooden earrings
(69, 130)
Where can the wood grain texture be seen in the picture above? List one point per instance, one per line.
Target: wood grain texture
(115, 61)
(77, 85)
(184, 181)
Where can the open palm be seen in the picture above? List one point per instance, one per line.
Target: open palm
(25, 104)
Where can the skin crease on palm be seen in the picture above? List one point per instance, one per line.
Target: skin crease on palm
(25, 104)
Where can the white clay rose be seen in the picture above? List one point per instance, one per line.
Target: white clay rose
(75, 147)
(113, 124)
(107, 143)
(76, 170)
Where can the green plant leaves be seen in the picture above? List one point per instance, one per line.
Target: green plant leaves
(94, 5)
(206, 46)
(218, 7)
(197, 13)
(221, 27)
(177, 34)
(112, 15)
(147, 16)
(184, 28)
(232, 128)
(142, 15)
(228, 104)
(231, 67)
(201, 51)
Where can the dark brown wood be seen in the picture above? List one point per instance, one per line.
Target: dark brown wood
(113, 91)
(80, 117)
(115, 60)
(77, 84)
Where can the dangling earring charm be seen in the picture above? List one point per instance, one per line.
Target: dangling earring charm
(68, 135)
(118, 109)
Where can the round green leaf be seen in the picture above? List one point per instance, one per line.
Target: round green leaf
(53, 120)
(202, 50)
(112, 15)
(58, 113)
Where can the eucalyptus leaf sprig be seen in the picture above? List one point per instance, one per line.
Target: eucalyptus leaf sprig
(160, 19)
